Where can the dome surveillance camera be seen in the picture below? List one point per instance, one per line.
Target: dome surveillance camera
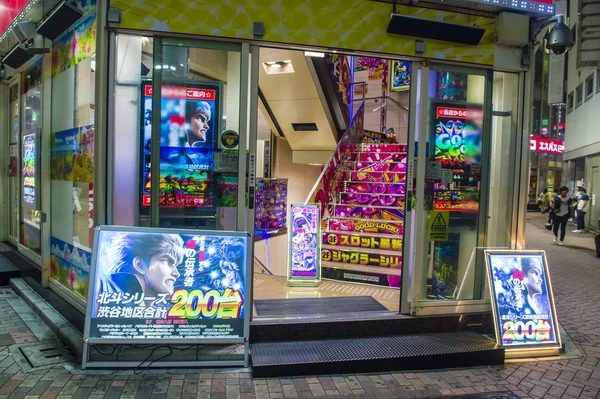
(560, 38)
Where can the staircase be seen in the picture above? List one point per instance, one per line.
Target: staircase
(364, 220)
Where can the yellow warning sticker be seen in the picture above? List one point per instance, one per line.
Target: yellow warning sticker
(439, 223)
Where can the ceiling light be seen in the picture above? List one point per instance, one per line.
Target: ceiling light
(275, 65)
(287, 62)
(314, 54)
(271, 63)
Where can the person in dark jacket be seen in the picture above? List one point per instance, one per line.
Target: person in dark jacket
(562, 206)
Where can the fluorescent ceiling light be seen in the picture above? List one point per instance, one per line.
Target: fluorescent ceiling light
(314, 54)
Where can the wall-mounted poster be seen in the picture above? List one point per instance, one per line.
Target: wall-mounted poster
(72, 155)
(522, 299)
(305, 246)
(400, 76)
(155, 285)
(190, 122)
(270, 209)
(70, 266)
(77, 44)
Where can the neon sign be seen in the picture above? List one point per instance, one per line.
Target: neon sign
(539, 144)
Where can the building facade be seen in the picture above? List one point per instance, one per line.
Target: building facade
(101, 133)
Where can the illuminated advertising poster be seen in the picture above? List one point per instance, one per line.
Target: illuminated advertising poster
(522, 299)
(458, 151)
(29, 196)
(152, 284)
(400, 75)
(304, 258)
(190, 117)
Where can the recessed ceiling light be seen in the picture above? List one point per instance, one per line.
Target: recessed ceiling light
(271, 63)
(314, 54)
(275, 65)
(287, 62)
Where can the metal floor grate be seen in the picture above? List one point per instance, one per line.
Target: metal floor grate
(357, 349)
(317, 306)
(47, 353)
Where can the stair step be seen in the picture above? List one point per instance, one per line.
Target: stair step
(378, 166)
(374, 134)
(378, 177)
(368, 212)
(378, 156)
(373, 140)
(375, 188)
(373, 354)
(364, 257)
(384, 244)
(368, 199)
(383, 147)
(368, 275)
(388, 227)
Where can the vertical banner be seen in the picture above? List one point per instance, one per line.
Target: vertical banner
(305, 245)
(522, 300)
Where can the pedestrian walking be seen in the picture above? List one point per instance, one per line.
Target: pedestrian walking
(543, 201)
(562, 212)
(582, 205)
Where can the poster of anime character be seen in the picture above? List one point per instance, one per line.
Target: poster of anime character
(400, 75)
(155, 284)
(522, 298)
(304, 241)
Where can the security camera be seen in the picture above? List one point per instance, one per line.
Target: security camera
(560, 38)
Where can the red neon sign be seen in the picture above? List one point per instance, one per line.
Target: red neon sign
(540, 144)
(452, 112)
(183, 92)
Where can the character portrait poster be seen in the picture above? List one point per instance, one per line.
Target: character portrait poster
(522, 298)
(151, 285)
(304, 241)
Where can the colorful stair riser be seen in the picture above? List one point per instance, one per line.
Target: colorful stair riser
(366, 226)
(368, 199)
(363, 241)
(366, 212)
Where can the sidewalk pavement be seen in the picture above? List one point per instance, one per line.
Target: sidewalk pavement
(574, 269)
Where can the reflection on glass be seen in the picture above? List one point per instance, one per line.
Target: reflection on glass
(198, 152)
(14, 160)
(32, 122)
(453, 182)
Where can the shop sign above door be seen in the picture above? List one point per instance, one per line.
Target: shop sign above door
(540, 144)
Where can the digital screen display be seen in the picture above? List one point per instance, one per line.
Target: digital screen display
(522, 299)
(29, 193)
(458, 152)
(189, 123)
(148, 284)
(304, 241)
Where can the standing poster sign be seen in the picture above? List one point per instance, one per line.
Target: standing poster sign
(305, 245)
(522, 300)
(155, 286)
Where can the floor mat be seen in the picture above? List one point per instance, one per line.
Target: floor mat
(317, 306)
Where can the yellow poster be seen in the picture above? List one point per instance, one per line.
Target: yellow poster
(439, 224)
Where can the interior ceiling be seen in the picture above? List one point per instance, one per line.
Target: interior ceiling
(293, 98)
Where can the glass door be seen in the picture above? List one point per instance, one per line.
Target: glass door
(13, 176)
(30, 215)
(449, 208)
(197, 153)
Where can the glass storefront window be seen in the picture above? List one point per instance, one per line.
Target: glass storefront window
(30, 233)
(72, 159)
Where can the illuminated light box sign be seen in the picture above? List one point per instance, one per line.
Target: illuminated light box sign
(304, 259)
(190, 125)
(540, 144)
(151, 285)
(522, 300)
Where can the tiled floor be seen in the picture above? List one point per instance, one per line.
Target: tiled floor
(575, 276)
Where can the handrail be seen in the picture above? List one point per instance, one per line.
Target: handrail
(263, 266)
(338, 156)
